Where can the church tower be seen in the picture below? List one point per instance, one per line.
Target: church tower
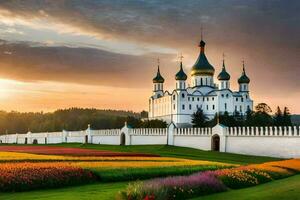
(180, 78)
(244, 81)
(202, 71)
(224, 77)
(158, 83)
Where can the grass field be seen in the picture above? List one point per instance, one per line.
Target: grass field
(287, 188)
(179, 152)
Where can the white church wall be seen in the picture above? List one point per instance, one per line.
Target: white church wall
(198, 138)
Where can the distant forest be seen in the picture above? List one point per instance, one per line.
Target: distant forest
(72, 119)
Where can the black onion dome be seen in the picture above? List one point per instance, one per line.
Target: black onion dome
(158, 78)
(223, 76)
(244, 78)
(181, 75)
(202, 66)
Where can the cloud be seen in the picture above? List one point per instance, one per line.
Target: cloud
(34, 62)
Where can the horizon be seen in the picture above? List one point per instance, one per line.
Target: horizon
(59, 55)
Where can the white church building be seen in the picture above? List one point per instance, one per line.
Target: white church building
(202, 93)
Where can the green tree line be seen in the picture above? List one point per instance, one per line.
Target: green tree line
(261, 116)
(72, 119)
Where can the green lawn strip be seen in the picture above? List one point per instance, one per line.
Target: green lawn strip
(178, 152)
(103, 191)
(287, 188)
(130, 174)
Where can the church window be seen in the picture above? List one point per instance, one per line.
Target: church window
(207, 98)
(246, 96)
(201, 83)
(236, 99)
(182, 95)
(188, 98)
(227, 95)
(213, 98)
(192, 98)
(174, 106)
(206, 107)
(190, 107)
(222, 95)
(213, 107)
(242, 99)
(225, 105)
(198, 99)
(174, 97)
(183, 107)
(203, 99)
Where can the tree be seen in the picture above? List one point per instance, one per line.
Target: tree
(278, 118)
(199, 119)
(286, 117)
(262, 115)
(263, 108)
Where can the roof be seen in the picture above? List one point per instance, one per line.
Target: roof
(181, 75)
(223, 76)
(202, 66)
(158, 78)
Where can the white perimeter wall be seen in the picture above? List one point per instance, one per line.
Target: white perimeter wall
(263, 141)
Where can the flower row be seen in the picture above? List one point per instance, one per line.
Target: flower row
(202, 183)
(28, 176)
(54, 150)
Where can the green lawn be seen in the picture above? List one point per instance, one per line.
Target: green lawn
(178, 152)
(288, 188)
(103, 191)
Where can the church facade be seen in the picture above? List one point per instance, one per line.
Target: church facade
(203, 93)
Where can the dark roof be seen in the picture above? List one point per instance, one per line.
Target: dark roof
(158, 78)
(202, 66)
(244, 78)
(223, 76)
(181, 75)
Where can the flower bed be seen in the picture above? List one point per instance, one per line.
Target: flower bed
(180, 187)
(28, 176)
(183, 187)
(51, 150)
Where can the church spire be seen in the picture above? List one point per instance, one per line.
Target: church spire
(158, 78)
(223, 76)
(244, 78)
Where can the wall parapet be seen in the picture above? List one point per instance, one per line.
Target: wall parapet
(148, 131)
(192, 131)
(106, 132)
(291, 131)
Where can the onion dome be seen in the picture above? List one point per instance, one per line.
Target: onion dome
(223, 76)
(181, 76)
(244, 78)
(158, 78)
(202, 66)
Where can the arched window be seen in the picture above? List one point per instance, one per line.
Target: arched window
(190, 107)
(182, 95)
(174, 97)
(201, 81)
(183, 107)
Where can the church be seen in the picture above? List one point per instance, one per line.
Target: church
(203, 93)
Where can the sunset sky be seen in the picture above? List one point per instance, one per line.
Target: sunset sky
(102, 54)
